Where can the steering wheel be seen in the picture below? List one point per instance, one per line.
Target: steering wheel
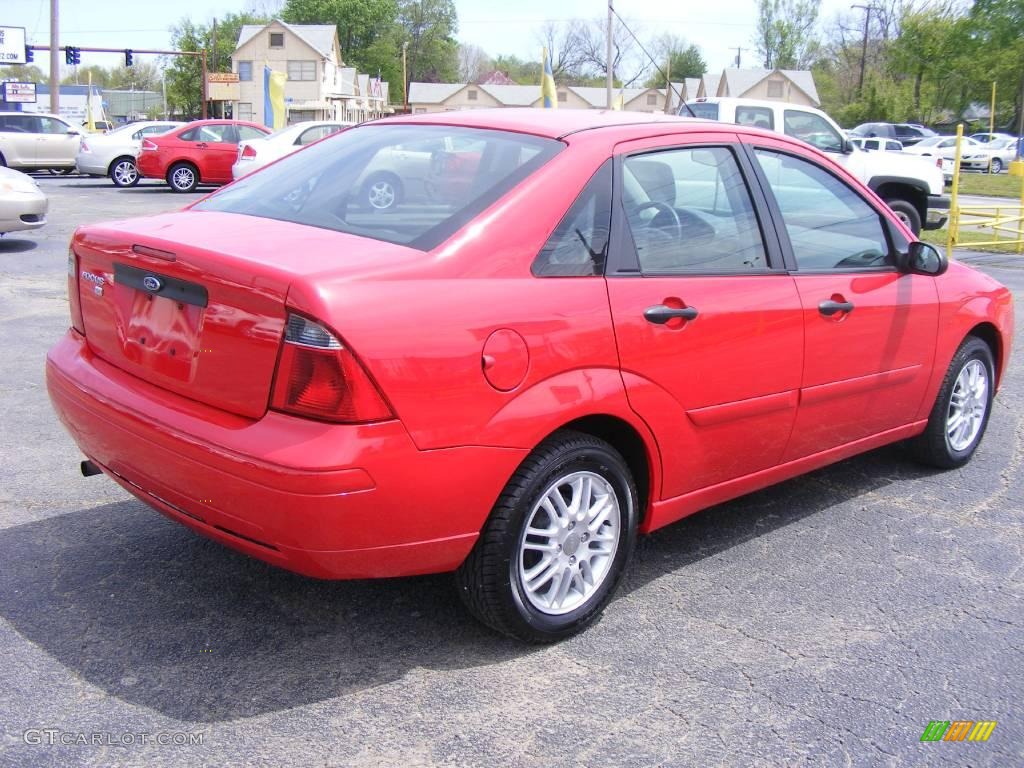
(866, 258)
(662, 207)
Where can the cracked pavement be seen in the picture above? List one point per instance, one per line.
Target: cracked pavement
(823, 621)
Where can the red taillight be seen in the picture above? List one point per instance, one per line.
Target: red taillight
(318, 377)
(248, 153)
(74, 301)
(148, 146)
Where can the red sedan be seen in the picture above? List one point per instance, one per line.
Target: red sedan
(626, 318)
(200, 152)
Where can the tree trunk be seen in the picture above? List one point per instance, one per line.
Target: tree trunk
(917, 93)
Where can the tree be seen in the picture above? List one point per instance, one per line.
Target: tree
(473, 63)
(141, 76)
(785, 33)
(360, 23)
(25, 73)
(80, 76)
(429, 27)
(683, 59)
(523, 72)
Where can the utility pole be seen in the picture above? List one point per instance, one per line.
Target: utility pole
(405, 77)
(608, 101)
(864, 46)
(215, 57)
(739, 57)
(54, 61)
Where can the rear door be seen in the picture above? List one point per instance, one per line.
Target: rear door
(869, 330)
(707, 321)
(218, 145)
(19, 139)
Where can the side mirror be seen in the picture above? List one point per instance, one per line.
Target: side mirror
(924, 259)
(848, 147)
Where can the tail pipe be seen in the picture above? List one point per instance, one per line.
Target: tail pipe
(89, 469)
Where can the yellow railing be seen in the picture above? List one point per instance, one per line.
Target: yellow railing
(1000, 220)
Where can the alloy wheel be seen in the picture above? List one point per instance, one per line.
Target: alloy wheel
(381, 195)
(967, 406)
(125, 173)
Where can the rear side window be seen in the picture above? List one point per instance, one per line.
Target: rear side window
(414, 185)
(689, 211)
(316, 133)
(757, 117)
(700, 109)
(579, 245)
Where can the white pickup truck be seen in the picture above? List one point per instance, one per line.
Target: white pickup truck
(912, 186)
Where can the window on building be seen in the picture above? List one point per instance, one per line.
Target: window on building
(774, 89)
(471, 95)
(419, 110)
(300, 115)
(652, 99)
(277, 39)
(245, 110)
(302, 70)
(245, 71)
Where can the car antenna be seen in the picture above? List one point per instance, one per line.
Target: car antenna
(671, 85)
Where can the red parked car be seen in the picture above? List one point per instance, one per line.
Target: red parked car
(200, 152)
(626, 319)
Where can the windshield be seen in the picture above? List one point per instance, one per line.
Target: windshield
(408, 184)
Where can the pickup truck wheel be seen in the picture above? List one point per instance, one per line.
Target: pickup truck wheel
(907, 213)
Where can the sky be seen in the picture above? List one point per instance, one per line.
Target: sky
(718, 27)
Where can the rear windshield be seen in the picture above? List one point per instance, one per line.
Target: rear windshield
(409, 184)
(700, 109)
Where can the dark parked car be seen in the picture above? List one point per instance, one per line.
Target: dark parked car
(906, 133)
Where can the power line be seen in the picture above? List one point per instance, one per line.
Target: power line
(671, 87)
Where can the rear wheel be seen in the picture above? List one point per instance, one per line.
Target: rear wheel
(556, 544)
(124, 173)
(997, 165)
(960, 414)
(183, 177)
(907, 213)
(382, 192)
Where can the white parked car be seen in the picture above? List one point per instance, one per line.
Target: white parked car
(35, 141)
(256, 153)
(876, 144)
(22, 204)
(987, 138)
(974, 155)
(113, 154)
(1003, 152)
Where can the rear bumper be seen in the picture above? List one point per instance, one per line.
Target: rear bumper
(329, 501)
(91, 164)
(150, 165)
(938, 212)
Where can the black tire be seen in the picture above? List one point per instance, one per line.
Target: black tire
(996, 166)
(907, 212)
(123, 172)
(382, 192)
(933, 445)
(489, 581)
(3, 160)
(185, 181)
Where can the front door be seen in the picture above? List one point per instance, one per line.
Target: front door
(707, 322)
(55, 146)
(869, 330)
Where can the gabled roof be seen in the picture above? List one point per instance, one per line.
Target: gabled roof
(319, 37)
(710, 83)
(692, 86)
(514, 95)
(434, 93)
(738, 81)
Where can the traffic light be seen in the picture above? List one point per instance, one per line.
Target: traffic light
(72, 55)
(129, 58)
(30, 54)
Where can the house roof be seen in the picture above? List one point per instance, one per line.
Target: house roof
(710, 83)
(320, 37)
(692, 85)
(739, 81)
(432, 93)
(514, 95)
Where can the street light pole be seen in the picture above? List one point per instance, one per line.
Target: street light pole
(54, 61)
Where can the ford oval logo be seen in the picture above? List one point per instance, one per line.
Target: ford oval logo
(152, 283)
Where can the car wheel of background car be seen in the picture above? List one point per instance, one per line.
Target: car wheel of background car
(907, 213)
(382, 192)
(556, 543)
(3, 161)
(960, 414)
(996, 166)
(183, 177)
(60, 171)
(124, 173)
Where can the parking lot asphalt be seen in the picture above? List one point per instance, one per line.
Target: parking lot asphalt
(823, 621)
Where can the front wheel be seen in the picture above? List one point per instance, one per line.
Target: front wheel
(183, 177)
(557, 541)
(960, 414)
(124, 173)
(996, 166)
(907, 213)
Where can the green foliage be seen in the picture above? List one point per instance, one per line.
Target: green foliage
(429, 27)
(80, 76)
(361, 23)
(785, 32)
(684, 60)
(25, 73)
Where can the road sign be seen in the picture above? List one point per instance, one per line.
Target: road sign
(12, 45)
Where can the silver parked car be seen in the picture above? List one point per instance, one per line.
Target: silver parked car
(34, 141)
(113, 154)
(22, 204)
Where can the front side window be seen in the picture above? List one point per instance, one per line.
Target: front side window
(812, 128)
(52, 125)
(415, 185)
(245, 71)
(579, 245)
(689, 211)
(302, 70)
(829, 225)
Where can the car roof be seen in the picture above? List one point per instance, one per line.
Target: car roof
(551, 123)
